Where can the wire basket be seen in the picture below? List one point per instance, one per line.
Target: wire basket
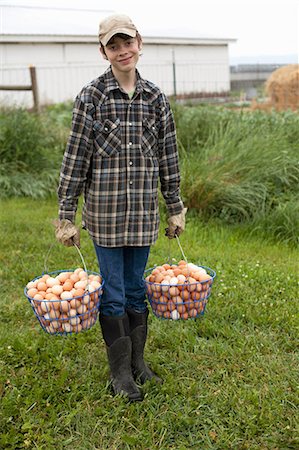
(65, 313)
(181, 300)
(66, 302)
(179, 291)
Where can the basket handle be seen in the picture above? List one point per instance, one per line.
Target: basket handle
(181, 248)
(50, 249)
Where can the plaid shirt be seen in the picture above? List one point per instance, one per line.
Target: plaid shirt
(118, 150)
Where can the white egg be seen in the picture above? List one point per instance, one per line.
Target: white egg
(175, 315)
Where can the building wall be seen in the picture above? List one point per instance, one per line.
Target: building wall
(63, 68)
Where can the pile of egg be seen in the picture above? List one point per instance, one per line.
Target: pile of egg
(179, 291)
(65, 302)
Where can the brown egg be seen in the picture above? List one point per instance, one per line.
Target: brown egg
(75, 303)
(41, 286)
(74, 277)
(65, 306)
(31, 292)
(57, 289)
(173, 291)
(182, 263)
(195, 295)
(193, 312)
(68, 285)
(181, 308)
(177, 271)
(63, 276)
(159, 277)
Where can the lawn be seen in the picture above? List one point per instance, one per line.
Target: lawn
(230, 378)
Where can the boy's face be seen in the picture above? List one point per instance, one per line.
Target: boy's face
(123, 54)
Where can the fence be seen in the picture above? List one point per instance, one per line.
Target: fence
(30, 87)
(60, 83)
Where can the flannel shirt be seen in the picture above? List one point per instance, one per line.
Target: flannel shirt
(118, 150)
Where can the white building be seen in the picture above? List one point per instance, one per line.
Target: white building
(64, 62)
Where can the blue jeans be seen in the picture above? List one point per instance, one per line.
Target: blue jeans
(122, 269)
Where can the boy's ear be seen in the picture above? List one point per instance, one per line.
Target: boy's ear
(102, 51)
(139, 42)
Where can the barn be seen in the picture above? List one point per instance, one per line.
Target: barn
(65, 60)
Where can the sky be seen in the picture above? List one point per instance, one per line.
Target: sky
(265, 30)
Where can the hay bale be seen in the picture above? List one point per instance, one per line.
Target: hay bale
(282, 87)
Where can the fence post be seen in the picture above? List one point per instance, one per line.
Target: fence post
(34, 88)
(174, 74)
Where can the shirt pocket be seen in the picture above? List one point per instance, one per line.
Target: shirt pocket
(149, 138)
(107, 137)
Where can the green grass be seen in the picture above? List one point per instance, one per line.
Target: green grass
(230, 378)
(236, 166)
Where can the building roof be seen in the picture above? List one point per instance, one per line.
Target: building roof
(45, 24)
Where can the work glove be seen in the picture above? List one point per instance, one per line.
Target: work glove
(176, 224)
(66, 232)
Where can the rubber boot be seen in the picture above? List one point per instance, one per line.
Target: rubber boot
(138, 333)
(115, 332)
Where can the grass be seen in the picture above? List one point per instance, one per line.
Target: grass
(230, 378)
(236, 166)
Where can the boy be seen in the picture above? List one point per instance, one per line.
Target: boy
(121, 143)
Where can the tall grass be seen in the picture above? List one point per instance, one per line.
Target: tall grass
(241, 167)
(31, 148)
(237, 167)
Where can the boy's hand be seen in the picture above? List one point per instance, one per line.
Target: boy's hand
(176, 224)
(66, 232)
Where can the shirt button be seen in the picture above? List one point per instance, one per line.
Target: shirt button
(130, 143)
(130, 163)
(130, 123)
(131, 182)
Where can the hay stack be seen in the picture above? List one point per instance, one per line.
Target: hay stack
(282, 87)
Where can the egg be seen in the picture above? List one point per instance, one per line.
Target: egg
(72, 312)
(45, 306)
(57, 289)
(86, 299)
(68, 285)
(77, 328)
(181, 278)
(65, 295)
(173, 281)
(31, 284)
(41, 286)
(75, 303)
(67, 327)
(65, 306)
(50, 282)
(63, 276)
(74, 277)
(83, 275)
(175, 315)
(82, 284)
(74, 320)
(31, 292)
(81, 309)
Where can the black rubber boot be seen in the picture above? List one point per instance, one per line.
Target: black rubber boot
(138, 333)
(119, 350)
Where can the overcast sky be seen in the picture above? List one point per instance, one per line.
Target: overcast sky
(261, 27)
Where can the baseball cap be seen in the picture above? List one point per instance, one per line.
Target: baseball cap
(117, 23)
